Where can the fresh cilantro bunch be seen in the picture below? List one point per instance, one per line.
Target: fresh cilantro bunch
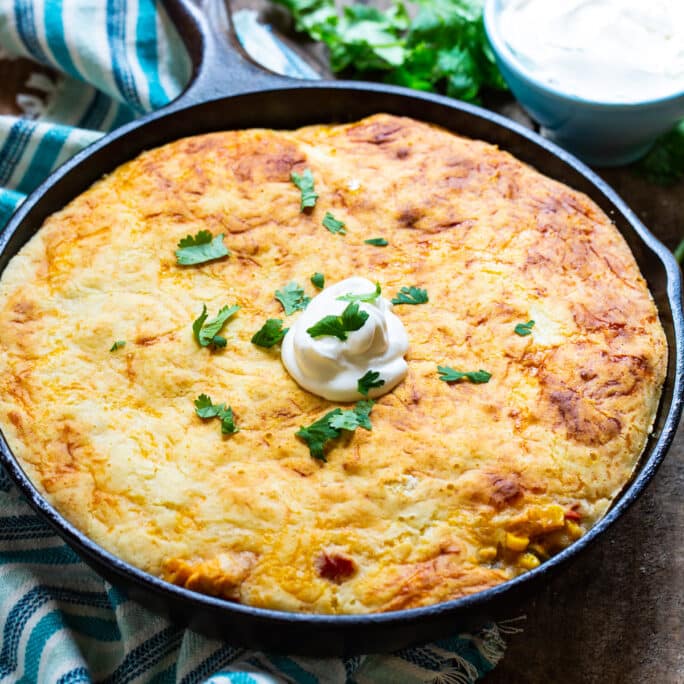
(439, 45)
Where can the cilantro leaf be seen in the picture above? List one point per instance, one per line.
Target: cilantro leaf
(199, 322)
(204, 237)
(368, 381)
(206, 409)
(338, 326)
(270, 333)
(369, 297)
(329, 427)
(441, 47)
(345, 420)
(207, 332)
(292, 298)
(328, 325)
(524, 329)
(319, 433)
(448, 374)
(411, 295)
(353, 319)
(318, 280)
(350, 419)
(117, 345)
(363, 410)
(201, 248)
(305, 183)
(333, 225)
(377, 242)
(228, 426)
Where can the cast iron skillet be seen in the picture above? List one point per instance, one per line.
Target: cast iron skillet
(229, 92)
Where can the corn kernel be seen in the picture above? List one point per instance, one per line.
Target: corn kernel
(548, 518)
(528, 561)
(516, 543)
(488, 553)
(539, 551)
(573, 529)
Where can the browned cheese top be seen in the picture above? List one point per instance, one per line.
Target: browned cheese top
(458, 487)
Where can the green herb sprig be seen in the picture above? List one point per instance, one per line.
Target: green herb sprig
(305, 183)
(448, 374)
(338, 326)
(368, 381)
(270, 333)
(206, 409)
(368, 297)
(524, 329)
(317, 435)
(442, 46)
(293, 298)
(333, 225)
(207, 332)
(200, 249)
(411, 295)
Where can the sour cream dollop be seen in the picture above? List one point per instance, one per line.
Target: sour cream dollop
(619, 51)
(330, 367)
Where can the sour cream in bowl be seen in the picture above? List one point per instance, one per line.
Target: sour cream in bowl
(604, 78)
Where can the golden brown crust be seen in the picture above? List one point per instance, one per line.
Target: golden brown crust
(457, 488)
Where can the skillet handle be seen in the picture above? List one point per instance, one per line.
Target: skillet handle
(220, 66)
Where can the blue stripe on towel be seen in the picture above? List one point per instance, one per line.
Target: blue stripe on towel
(146, 48)
(25, 16)
(79, 675)
(116, 34)
(9, 201)
(44, 158)
(13, 147)
(54, 27)
(146, 655)
(47, 626)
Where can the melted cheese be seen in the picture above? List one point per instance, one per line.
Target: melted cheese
(457, 487)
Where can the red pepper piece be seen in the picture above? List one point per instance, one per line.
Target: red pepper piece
(335, 567)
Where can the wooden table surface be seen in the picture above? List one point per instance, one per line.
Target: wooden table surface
(616, 615)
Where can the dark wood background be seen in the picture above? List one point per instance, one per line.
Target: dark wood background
(617, 615)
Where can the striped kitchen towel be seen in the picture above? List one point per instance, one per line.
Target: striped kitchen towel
(60, 622)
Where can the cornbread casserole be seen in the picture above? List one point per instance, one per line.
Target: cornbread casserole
(457, 487)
